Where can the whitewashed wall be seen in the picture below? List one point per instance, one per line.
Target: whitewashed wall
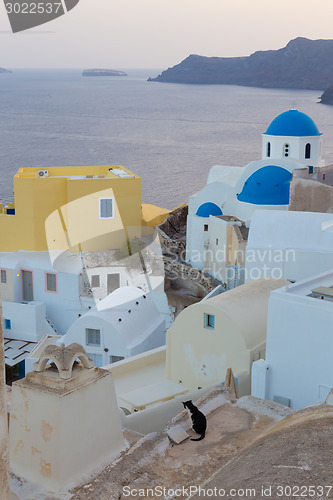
(299, 347)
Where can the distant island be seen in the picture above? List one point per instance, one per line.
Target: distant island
(301, 64)
(103, 72)
(3, 70)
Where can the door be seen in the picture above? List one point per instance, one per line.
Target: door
(28, 292)
(113, 282)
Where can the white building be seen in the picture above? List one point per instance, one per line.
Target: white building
(299, 348)
(225, 331)
(290, 245)
(125, 323)
(292, 141)
(30, 277)
(41, 297)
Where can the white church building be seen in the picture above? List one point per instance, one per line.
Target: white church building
(292, 141)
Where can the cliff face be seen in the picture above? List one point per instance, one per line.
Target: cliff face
(327, 96)
(302, 64)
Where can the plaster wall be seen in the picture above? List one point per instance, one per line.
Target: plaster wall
(127, 329)
(198, 356)
(299, 348)
(7, 289)
(4, 464)
(296, 148)
(38, 198)
(290, 264)
(48, 447)
(27, 320)
(291, 245)
(311, 196)
(217, 248)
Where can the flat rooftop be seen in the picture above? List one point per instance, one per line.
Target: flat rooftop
(318, 287)
(89, 172)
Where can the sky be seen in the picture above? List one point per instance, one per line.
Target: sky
(127, 34)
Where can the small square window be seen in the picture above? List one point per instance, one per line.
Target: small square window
(8, 324)
(51, 282)
(3, 276)
(205, 227)
(210, 321)
(93, 336)
(106, 208)
(114, 359)
(95, 283)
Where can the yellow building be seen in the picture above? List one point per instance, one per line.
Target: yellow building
(57, 214)
(80, 208)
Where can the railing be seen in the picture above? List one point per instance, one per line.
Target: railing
(235, 276)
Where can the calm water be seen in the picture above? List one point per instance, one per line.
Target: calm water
(169, 134)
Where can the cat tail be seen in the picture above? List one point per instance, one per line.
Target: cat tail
(199, 439)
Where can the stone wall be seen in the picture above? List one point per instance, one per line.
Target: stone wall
(308, 195)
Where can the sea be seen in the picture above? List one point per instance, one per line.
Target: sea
(169, 134)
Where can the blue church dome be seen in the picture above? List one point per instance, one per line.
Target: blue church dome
(293, 123)
(207, 209)
(269, 185)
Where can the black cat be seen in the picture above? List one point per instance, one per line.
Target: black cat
(199, 421)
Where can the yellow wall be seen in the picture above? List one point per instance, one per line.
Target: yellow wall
(153, 216)
(37, 198)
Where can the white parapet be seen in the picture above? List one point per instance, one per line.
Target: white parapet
(260, 373)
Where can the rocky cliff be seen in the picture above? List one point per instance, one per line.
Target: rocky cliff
(327, 96)
(302, 64)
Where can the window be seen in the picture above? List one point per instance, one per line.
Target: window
(268, 149)
(93, 337)
(217, 241)
(51, 282)
(3, 276)
(311, 170)
(95, 281)
(209, 321)
(286, 149)
(113, 282)
(8, 324)
(308, 150)
(97, 359)
(205, 227)
(106, 208)
(114, 359)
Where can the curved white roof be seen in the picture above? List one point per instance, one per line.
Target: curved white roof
(120, 296)
(226, 174)
(247, 305)
(127, 315)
